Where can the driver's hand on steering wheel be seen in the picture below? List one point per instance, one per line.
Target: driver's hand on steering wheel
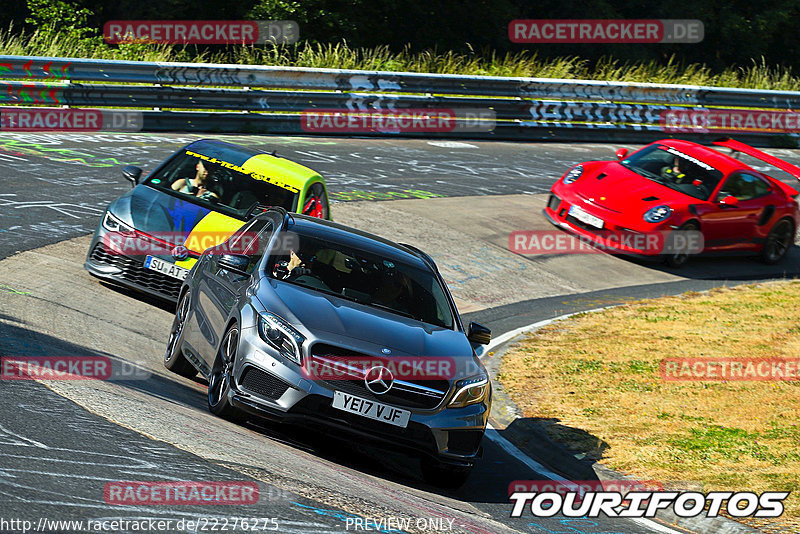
(673, 173)
(208, 195)
(294, 261)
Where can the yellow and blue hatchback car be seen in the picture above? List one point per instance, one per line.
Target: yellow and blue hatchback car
(150, 237)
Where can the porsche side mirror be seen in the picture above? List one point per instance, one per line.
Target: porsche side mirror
(621, 153)
(729, 201)
(132, 173)
(479, 334)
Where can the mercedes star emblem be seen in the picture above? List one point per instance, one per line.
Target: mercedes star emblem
(379, 380)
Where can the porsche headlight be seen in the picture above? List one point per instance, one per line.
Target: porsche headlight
(282, 336)
(573, 174)
(113, 224)
(657, 214)
(470, 391)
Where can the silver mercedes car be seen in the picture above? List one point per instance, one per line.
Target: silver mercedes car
(307, 321)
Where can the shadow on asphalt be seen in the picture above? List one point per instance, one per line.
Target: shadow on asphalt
(728, 266)
(140, 296)
(488, 483)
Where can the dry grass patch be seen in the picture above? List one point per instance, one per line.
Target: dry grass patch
(597, 375)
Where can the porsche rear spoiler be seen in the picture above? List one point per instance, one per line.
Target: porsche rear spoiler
(738, 146)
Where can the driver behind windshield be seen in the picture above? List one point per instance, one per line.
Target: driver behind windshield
(294, 267)
(675, 172)
(198, 185)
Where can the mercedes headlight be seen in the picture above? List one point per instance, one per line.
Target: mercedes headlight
(573, 174)
(657, 214)
(282, 336)
(470, 391)
(113, 224)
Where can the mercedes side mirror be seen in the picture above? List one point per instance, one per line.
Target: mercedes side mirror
(236, 263)
(132, 173)
(479, 334)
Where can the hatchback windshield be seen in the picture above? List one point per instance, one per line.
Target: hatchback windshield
(675, 169)
(363, 277)
(219, 187)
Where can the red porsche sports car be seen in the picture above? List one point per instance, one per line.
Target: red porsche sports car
(673, 186)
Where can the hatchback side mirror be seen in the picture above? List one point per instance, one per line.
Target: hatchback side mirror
(621, 153)
(479, 334)
(132, 173)
(236, 263)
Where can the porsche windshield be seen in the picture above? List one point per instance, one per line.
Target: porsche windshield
(675, 169)
(218, 187)
(363, 277)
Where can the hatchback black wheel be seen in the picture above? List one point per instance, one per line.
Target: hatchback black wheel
(219, 382)
(778, 242)
(174, 360)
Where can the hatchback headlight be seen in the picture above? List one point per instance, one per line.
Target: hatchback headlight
(113, 224)
(470, 391)
(657, 214)
(573, 174)
(282, 336)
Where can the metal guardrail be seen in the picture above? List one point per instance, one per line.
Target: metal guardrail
(274, 98)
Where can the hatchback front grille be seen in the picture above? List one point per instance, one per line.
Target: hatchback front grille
(132, 270)
(425, 394)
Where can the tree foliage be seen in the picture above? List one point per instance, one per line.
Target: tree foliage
(737, 32)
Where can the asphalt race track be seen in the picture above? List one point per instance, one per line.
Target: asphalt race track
(55, 186)
(62, 441)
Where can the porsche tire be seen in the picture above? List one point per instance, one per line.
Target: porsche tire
(679, 258)
(778, 242)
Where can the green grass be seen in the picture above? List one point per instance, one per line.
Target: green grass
(759, 75)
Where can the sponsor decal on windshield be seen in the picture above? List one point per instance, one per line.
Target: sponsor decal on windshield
(696, 161)
(252, 174)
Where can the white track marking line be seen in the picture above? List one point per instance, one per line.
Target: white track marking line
(512, 449)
